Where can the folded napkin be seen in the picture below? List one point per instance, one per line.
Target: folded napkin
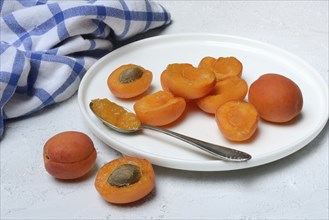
(47, 46)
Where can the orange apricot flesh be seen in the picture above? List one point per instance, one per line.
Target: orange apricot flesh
(160, 108)
(189, 82)
(129, 81)
(228, 89)
(129, 185)
(237, 120)
(115, 114)
(163, 81)
(223, 67)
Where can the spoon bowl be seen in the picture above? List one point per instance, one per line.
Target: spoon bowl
(217, 151)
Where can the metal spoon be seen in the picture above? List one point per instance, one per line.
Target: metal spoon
(220, 152)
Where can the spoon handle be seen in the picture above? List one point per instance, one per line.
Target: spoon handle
(218, 151)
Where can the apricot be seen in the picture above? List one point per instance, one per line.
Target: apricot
(189, 82)
(163, 81)
(125, 180)
(160, 108)
(228, 89)
(222, 67)
(237, 120)
(129, 80)
(277, 98)
(69, 155)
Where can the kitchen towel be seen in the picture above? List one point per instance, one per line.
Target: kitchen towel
(47, 46)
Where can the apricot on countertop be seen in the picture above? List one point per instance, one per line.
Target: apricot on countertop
(69, 155)
(125, 180)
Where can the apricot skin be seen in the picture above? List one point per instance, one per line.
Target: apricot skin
(69, 155)
(277, 98)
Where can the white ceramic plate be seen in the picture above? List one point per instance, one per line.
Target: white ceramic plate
(270, 143)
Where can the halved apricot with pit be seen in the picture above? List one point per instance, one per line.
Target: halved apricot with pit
(223, 67)
(125, 180)
(160, 108)
(231, 88)
(189, 82)
(129, 81)
(237, 120)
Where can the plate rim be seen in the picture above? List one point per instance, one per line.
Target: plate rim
(201, 165)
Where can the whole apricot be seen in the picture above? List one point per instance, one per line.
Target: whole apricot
(277, 98)
(69, 155)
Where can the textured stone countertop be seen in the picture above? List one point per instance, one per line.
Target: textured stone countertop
(295, 187)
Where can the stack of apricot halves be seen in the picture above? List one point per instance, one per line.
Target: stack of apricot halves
(216, 87)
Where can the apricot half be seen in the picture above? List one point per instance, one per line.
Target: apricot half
(129, 81)
(189, 82)
(237, 120)
(277, 98)
(163, 81)
(222, 67)
(69, 155)
(228, 89)
(125, 180)
(160, 108)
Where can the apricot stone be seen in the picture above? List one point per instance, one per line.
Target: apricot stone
(69, 155)
(277, 98)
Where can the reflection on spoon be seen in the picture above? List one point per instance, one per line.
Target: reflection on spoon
(119, 124)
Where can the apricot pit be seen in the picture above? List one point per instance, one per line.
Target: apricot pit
(125, 175)
(130, 75)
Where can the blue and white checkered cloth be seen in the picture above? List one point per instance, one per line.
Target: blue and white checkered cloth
(47, 46)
